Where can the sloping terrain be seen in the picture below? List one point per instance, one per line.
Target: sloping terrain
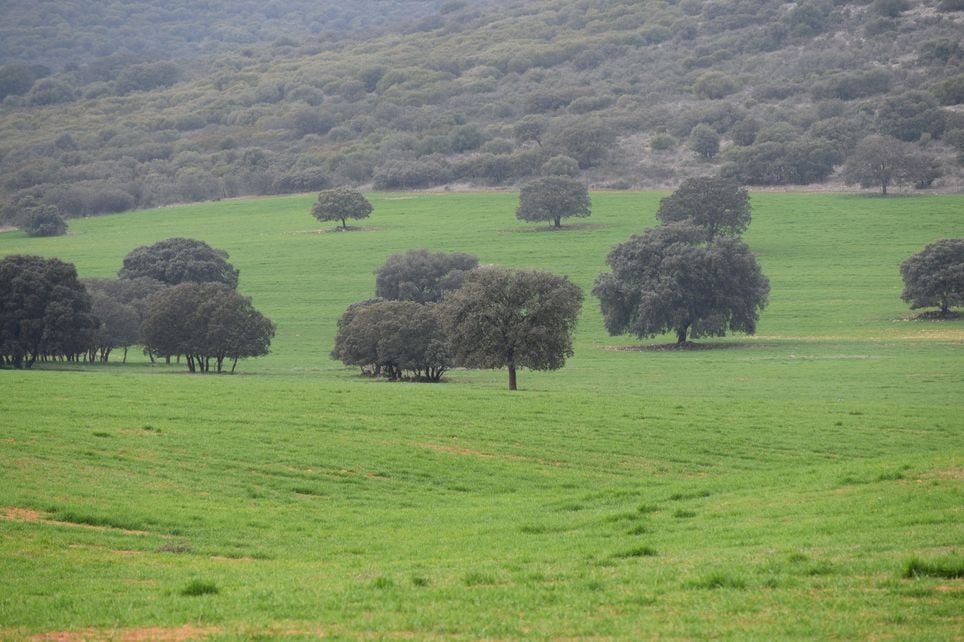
(138, 104)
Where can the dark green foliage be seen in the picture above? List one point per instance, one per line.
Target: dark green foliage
(553, 198)
(15, 80)
(848, 85)
(120, 306)
(422, 276)
(44, 311)
(44, 220)
(588, 142)
(705, 141)
(950, 91)
(884, 161)
(390, 338)
(502, 317)
(207, 323)
(935, 276)
(147, 76)
(340, 204)
(179, 260)
(777, 163)
(718, 205)
(939, 51)
(196, 588)
(714, 85)
(671, 279)
(909, 115)
(890, 8)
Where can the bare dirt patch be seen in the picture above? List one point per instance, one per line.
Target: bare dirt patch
(22, 515)
(154, 634)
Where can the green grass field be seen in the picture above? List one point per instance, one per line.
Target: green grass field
(776, 486)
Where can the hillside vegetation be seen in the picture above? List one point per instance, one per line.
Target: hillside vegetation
(120, 105)
(802, 483)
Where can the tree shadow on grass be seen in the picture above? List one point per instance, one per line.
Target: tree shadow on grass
(691, 346)
(564, 228)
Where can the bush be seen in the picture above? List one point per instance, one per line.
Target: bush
(44, 221)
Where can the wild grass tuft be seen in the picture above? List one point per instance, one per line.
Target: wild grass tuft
(199, 587)
(637, 551)
(719, 580)
(945, 567)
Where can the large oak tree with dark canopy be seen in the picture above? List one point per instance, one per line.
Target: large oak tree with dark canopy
(207, 323)
(340, 204)
(422, 276)
(180, 260)
(718, 205)
(44, 311)
(389, 338)
(512, 318)
(935, 276)
(672, 279)
(553, 198)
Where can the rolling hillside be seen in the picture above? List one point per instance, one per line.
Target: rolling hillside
(126, 105)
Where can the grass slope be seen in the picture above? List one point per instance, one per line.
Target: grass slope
(780, 486)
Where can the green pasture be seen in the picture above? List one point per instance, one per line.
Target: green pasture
(768, 487)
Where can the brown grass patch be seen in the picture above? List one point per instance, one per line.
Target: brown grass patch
(22, 515)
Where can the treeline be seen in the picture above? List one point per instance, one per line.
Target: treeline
(486, 93)
(175, 298)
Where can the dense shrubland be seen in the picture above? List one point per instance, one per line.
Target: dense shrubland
(111, 106)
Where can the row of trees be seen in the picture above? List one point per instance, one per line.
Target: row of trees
(177, 298)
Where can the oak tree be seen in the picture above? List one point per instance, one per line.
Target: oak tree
(341, 204)
(672, 279)
(512, 318)
(935, 276)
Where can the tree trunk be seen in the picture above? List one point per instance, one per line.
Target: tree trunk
(125, 355)
(344, 225)
(681, 335)
(558, 221)
(512, 377)
(883, 187)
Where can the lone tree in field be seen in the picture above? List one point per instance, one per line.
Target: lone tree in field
(553, 198)
(44, 311)
(718, 205)
(207, 323)
(341, 204)
(884, 161)
(935, 276)
(422, 276)
(671, 279)
(502, 317)
(389, 338)
(180, 260)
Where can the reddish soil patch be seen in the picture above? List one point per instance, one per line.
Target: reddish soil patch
(22, 514)
(154, 634)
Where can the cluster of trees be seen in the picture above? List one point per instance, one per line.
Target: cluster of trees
(435, 311)
(177, 298)
(228, 99)
(692, 275)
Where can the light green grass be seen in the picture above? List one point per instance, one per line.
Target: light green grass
(776, 487)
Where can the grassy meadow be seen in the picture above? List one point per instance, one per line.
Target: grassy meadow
(806, 482)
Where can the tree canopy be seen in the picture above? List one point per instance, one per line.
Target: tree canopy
(718, 205)
(512, 318)
(422, 276)
(340, 204)
(553, 198)
(389, 338)
(207, 323)
(671, 278)
(44, 311)
(180, 260)
(935, 276)
(884, 160)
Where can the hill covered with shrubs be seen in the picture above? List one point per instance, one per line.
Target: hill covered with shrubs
(119, 105)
